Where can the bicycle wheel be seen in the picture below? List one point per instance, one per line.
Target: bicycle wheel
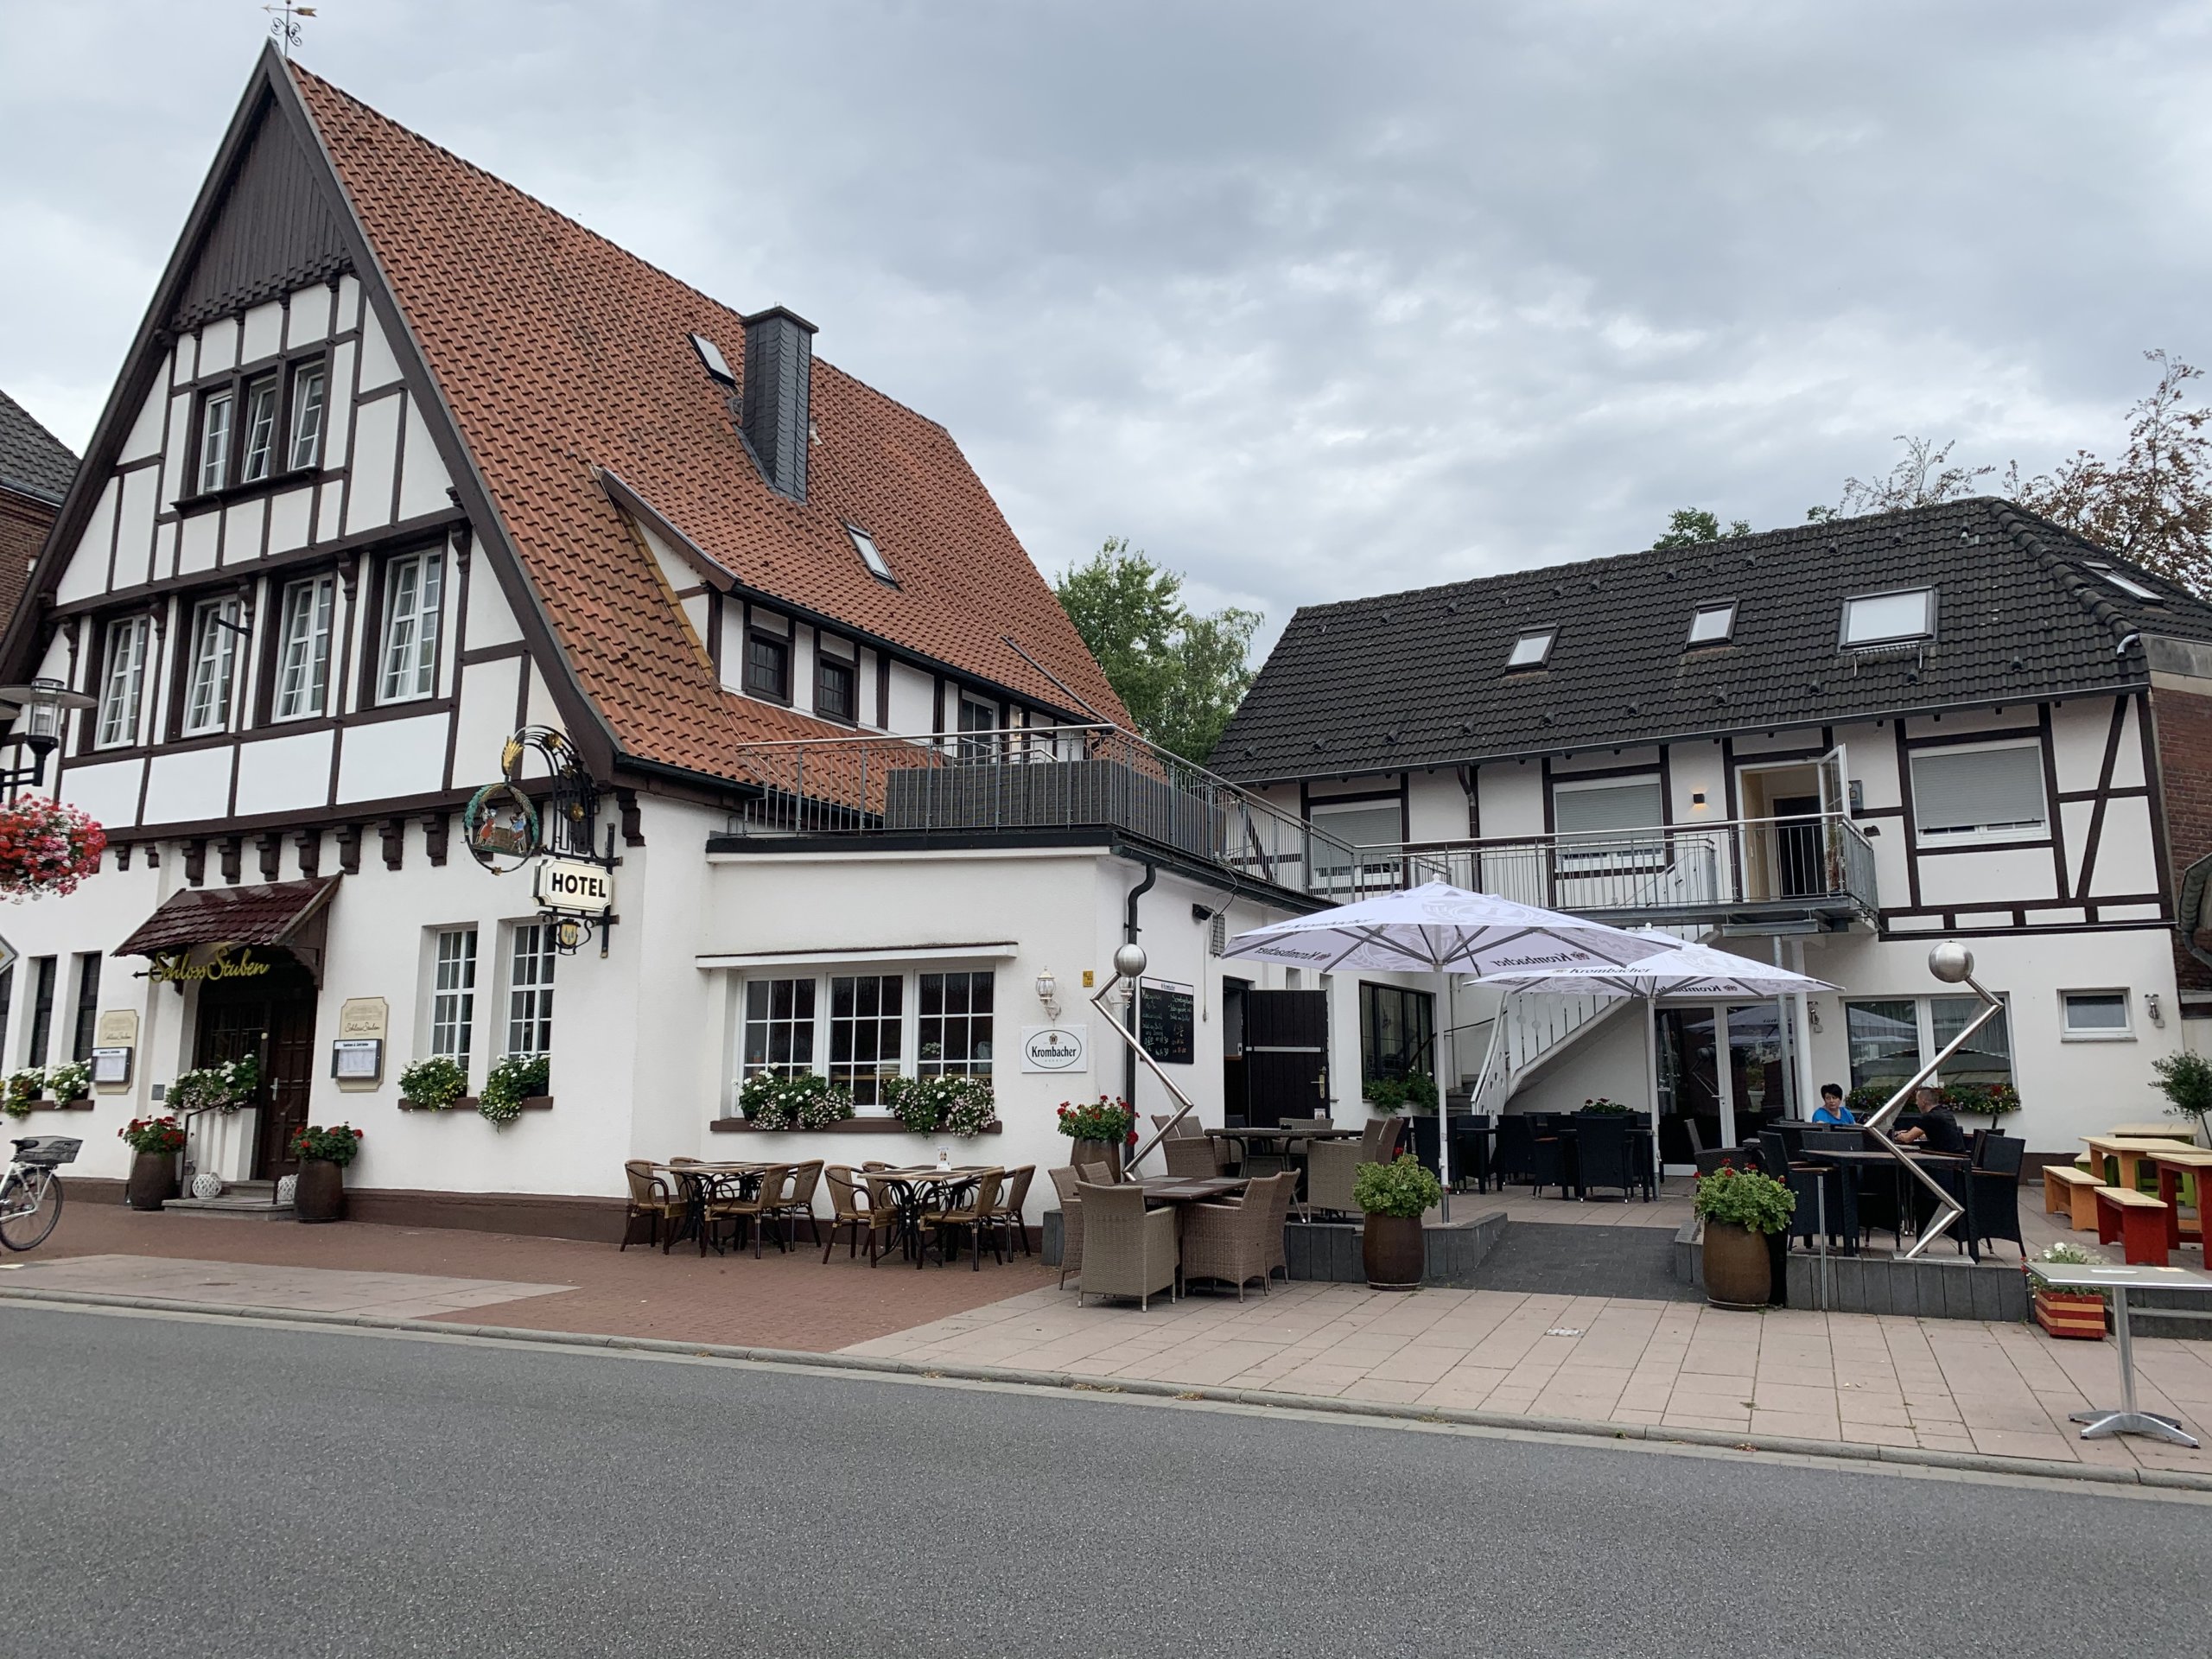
(30, 1204)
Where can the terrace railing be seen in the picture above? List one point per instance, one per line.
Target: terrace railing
(1034, 777)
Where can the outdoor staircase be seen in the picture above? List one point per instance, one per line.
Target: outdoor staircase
(240, 1200)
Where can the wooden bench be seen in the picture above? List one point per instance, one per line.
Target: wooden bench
(2072, 1192)
(2136, 1221)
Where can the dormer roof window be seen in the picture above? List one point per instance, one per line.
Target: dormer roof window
(711, 355)
(1713, 624)
(871, 556)
(1533, 649)
(2127, 584)
(1887, 619)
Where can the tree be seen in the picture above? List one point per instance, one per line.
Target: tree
(1181, 676)
(1688, 526)
(2154, 503)
(1923, 478)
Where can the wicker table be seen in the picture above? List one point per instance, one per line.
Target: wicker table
(2116, 1282)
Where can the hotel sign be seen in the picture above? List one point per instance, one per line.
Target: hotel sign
(573, 887)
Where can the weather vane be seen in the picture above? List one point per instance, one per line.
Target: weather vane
(285, 22)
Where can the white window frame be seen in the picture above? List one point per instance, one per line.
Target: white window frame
(452, 1024)
(1532, 648)
(531, 956)
(2070, 1032)
(309, 414)
(891, 1029)
(1980, 835)
(214, 456)
(1726, 610)
(264, 409)
(122, 683)
(307, 627)
(1846, 638)
(814, 1024)
(926, 1065)
(210, 670)
(407, 656)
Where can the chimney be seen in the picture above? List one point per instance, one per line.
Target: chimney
(779, 370)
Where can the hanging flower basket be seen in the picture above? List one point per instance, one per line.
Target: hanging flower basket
(45, 847)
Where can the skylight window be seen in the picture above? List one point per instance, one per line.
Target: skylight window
(1882, 619)
(1713, 624)
(711, 355)
(2126, 584)
(1533, 650)
(871, 556)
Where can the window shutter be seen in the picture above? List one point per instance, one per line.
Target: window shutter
(1634, 804)
(1954, 791)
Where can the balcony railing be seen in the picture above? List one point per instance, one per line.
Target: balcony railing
(1817, 865)
(1048, 778)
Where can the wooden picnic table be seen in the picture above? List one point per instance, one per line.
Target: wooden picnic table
(2169, 1131)
(2172, 1167)
(2127, 1150)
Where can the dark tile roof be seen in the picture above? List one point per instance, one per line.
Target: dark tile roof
(1419, 679)
(32, 462)
(267, 912)
(560, 355)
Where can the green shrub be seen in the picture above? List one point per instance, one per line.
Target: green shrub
(1743, 1197)
(1610, 1108)
(70, 1082)
(336, 1145)
(802, 1100)
(516, 1078)
(1403, 1188)
(952, 1103)
(2186, 1082)
(435, 1084)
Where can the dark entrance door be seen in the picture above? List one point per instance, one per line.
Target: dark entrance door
(1286, 1055)
(1235, 1093)
(273, 1016)
(1802, 870)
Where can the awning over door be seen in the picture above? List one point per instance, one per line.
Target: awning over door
(270, 912)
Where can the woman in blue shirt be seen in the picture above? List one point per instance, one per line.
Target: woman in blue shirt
(1832, 1109)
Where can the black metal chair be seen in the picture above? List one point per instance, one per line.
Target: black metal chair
(1604, 1154)
(1549, 1156)
(1992, 1192)
(1822, 1192)
(1470, 1149)
(1517, 1149)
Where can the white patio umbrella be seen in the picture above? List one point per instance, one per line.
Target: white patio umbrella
(1446, 930)
(1690, 970)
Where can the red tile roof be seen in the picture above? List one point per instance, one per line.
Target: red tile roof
(558, 353)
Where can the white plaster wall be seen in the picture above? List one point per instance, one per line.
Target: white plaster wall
(264, 332)
(189, 787)
(486, 714)
(387, 759)
(145, 435)
(1606, 1060)
(242, 531)
(134, 543)
(379, 368)
(219, 348)
(375, 438)
(1987, 878)
(277, 774)
(423, 479)
(340, 405)
(1512, 796)
(1436, 807)
(196, 543)
(85, 574)
(912, 702)
(2126, 850)
(491, 620)
(289, 514)
(109, 790)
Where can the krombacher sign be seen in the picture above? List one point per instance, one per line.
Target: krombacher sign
(229, 962)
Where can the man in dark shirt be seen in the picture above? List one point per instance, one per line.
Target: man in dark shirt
(1938, 1131)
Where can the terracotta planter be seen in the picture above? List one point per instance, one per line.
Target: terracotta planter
(320, 1194)
(1739, 1269)
(1393, 1252)
(2071, 1313)
(153, 1180)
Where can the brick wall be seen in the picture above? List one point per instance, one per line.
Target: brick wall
(2182, 722)
(24, 521)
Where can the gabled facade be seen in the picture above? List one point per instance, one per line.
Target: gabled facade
(401, 462)
(1837, 743)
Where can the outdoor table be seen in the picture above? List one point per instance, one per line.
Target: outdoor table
(1639, 1135)
(2126, 1151)
(1866, 1159)
(1484, 1134)
(914, 1190)
(699, 1182)
(2172, 1166)
(2179, 1132)
(1179, 1189)
(2117, 1281)
(1286, 1133)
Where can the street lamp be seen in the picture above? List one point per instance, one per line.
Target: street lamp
(42, 704)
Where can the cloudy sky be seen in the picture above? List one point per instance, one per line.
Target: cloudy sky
(1308, 301)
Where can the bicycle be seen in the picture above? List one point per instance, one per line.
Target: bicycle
(30, 1192)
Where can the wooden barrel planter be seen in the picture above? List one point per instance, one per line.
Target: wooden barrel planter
(1393, 1252)
(153, 1180)
(319, 1192)
(1738, 1268)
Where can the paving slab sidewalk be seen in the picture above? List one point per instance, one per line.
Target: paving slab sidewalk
(1936, 1385)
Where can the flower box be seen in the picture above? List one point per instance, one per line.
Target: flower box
(81, 1103)
(883, 1123)
(2071, 1313)
(466, 1106)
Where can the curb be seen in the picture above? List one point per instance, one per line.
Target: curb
(1833, 1451)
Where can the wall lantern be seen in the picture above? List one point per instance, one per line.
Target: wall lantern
(1048, 993)
(42, 704)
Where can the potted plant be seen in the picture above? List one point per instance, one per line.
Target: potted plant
(155, 1143)
(2079, 1314)
(804, 1099)
(46, 847)
(320, 1193)
(1989, 1100)
(1393, 1197)
(227, 1086)
(1741, 1208)
(953, 1103)
(2186, 1082)
(1112, 1124)
(21, 1091)
(433, 1085)
(516, 1078)
(1383, 1094)
(1867, 1099)
(73, 1081)
(1610, 1107)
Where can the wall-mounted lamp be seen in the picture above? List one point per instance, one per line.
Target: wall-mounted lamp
(1697, 797)
(1812, 1013)
(42, 704)
(2151, 1007)
(1048, 993)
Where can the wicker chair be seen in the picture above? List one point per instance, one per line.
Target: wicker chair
(1187, 1159)
(797, 1203)
(1097, 1174)
(763, 1207)
(1067, 1183)
(1237, 1243)
(973, 1213)
(1128, 1251)
(652, 1200)
(847, 1209)
(1330, 1168)
(1378, 1141)
(1005, 1215)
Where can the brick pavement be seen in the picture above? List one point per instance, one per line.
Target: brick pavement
(780, 1301)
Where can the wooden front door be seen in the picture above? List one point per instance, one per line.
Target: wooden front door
(1285, 1054)
(273, 1016)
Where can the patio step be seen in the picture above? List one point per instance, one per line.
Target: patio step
(241, 1201)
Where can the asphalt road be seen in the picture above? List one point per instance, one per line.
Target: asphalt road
(173, 1488)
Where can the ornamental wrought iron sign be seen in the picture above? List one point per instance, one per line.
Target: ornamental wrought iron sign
(555, 833)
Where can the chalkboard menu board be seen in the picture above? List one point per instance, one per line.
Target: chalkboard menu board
(1167, 1020)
